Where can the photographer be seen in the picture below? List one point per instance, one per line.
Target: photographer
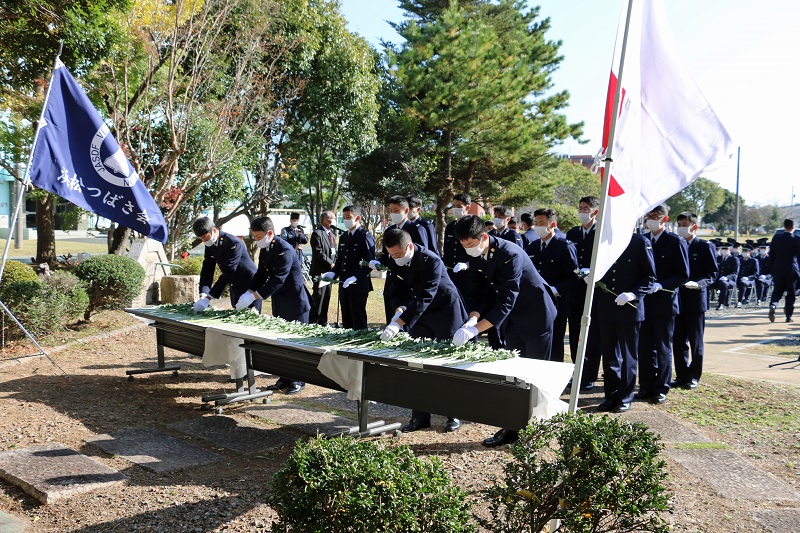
(293, 234)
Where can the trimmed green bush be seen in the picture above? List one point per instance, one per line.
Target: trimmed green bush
(41, 308)
(112, 281)
(16, 271)
(68, 284)
(191, 266)
(338, 485)
(593, 473)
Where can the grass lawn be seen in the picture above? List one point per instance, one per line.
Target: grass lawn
(788, 347)
(63, 247)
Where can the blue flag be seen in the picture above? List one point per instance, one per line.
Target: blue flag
(77, 158)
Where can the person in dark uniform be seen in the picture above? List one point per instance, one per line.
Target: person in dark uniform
(501, 217)
(620, 313)
(355, 246)
(528, 233)
(783, 253)
(293, 234)
(455, 258)
(399, 211)
(230, 254)
(323, 258)
(749, 270)
(690, 323)
(728, 273)
(583, 238)
(661, 305)
(506, 292)
(557, 262)
(512, 224)
(280, 277)
(425, 302)
(764, 280)
(426, 226)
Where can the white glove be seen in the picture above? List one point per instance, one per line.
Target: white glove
(327, 276)
(724, 278)
(397, 313)
(692, 285)
(460, 266)
(762, 278)
(656, 287)
(390, 331)
(201, 305)
(464, 334)
(745, 278)
(374, 264)
(349, 281)
(205, 290)
(245, 300)
(585, 275)
(624, 298)
(555, 291)
(473, 320)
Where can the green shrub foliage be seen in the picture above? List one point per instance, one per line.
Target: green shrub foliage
(338, 485)
(16, 271)
(593, 473)
(191, 266)
(112, 281)
(41, 308)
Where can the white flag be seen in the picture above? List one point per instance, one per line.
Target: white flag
(666, 135)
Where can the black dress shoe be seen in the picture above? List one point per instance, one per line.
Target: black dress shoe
(279, 385)
(414, 424)
(676, 384)
(771, 313)
(789, 319)
(294, 388)
(621, 408)
(504, 436)
(643, 395)
(606, 406)
(453, 424)
(587, 387)
(658, 399)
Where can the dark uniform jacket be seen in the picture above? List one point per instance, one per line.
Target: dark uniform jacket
(583, 245)
(703, 271)
(322, 251)
(280, 276)
(427, 227)
(764, 266)
(234, 261)
(671, 256)
(509, 235)
(506, 281)
(430, 298)
(452, 253)
(783, 252)
(556, 264)
(634, 271)
(289, 234)
(354, 247)
(728, 267)
(418, 236)
(529, 237)
(749, 268)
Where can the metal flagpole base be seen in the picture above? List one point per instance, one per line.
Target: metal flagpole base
(31, 337)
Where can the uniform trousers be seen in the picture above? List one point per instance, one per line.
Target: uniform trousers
(655, 354)
(618, 345)
(688, 346)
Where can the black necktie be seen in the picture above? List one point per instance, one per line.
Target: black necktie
(544, 245)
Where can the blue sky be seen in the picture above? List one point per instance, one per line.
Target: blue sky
(743, 56)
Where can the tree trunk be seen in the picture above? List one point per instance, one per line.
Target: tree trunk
(119, 241)
(46, 229)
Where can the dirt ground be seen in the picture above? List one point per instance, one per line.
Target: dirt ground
(40, 405)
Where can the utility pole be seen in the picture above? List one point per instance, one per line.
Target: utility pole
(736, 224)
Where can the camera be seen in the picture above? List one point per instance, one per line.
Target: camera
(300, 227)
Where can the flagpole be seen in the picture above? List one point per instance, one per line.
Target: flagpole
(586, 319)
(27, 173)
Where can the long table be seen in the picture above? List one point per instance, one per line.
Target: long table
(506, 393)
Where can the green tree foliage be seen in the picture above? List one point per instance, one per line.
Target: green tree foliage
(476, 77)
(702, 196)
(724, 216)
(112, 281)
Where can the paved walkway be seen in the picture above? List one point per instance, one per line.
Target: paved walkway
(729, 343)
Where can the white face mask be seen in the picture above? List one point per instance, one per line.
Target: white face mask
(350, 223)
(653, 225)
(762, 252)
(475, 251)
(745, 255)
(585, 218)
(397, 218)
(499, 223)
(212, 241)
(264, 242)
(458, 212)
(406, 259)
(684, 232)
(413, 215)
(541, 231)
(725, 253)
